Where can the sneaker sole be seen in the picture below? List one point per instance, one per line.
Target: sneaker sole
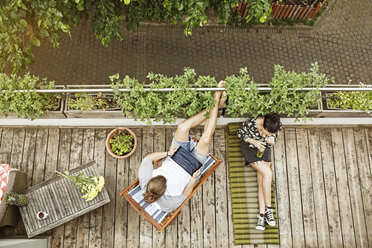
(260, 228)
(270, 224)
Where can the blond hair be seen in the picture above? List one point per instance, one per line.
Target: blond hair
(155, 189)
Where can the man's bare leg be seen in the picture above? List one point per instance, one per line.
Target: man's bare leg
(203, 145)
(183, 129)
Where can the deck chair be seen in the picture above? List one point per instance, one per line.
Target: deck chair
(159, 219)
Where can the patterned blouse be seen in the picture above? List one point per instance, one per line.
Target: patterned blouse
(249, 130)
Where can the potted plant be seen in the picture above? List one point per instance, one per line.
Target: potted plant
(121, 142)
(16, 199)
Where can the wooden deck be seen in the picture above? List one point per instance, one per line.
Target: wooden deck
(323, 179)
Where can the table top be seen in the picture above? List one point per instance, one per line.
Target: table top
(61, 200)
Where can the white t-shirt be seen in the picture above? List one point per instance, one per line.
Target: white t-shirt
(177, 177)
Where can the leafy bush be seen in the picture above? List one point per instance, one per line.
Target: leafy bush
(121, 143)
(293, 102)
(357, 100)
(165, 106)
(284, 98)
(22, 25)
(28, 104)
(242, 102)
(259, 11)
(86, 102)
(281, 99)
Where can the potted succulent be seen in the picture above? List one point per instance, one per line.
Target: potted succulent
(121, 142)
(16, 199)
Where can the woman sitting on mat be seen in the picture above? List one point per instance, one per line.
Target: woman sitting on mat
(172, 183)
(258, 135)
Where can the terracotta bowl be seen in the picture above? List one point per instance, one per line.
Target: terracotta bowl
(115, 131)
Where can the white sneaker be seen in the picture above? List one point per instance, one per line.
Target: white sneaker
(260, 223)
(269, 217)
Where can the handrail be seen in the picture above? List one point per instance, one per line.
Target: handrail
(264, 89)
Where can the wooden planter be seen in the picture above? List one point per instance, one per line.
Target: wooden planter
(340, 112)
(56, 114)
(96, 113)
(115, 131)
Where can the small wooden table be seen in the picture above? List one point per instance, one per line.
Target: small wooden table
(61, 200)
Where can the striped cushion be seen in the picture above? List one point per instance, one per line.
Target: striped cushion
(150, 208)
(153, 209)
(210, 161)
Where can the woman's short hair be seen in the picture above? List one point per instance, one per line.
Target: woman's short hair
(272, 123)
(155, 189)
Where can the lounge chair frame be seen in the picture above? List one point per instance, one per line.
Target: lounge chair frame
(173, 215)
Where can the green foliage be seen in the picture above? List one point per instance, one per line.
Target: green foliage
(86, 102)
(292, 102)
(16, 199)
(242, 102)
(357, 100)
(281, 99)
(28, 104)
(165, 106)
(106, 20)
(23, 23)
(121, 143)
(259, 11)
(143, 10)
(284, 98)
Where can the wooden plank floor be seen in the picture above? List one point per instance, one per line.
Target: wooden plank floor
(323, 180)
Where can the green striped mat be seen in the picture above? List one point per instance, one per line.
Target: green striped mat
(244, 200)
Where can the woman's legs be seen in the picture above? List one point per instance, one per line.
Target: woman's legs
(263, 168)
(261, 200)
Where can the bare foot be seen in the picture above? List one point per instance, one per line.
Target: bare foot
(222, 102)
(217, 95)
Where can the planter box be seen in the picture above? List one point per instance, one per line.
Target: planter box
(99, 113)
(340, 112)
(57, 114)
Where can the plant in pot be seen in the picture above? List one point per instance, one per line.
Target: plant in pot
(356, 100)
(16, 199)
(121, 142)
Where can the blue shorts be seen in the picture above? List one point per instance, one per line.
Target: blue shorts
(190, 146)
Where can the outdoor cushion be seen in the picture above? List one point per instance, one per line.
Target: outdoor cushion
(151, 208)
(4, 173)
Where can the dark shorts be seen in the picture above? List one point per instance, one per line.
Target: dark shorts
(250, 154)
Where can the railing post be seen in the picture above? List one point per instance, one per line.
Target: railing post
(316, 9)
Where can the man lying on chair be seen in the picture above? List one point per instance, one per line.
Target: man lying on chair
(172, 183)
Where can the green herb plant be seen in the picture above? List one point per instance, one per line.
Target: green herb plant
(121, 143)
(164, 106)
(286, 97)
(27, 104)
(357, 100)
(87, 102)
